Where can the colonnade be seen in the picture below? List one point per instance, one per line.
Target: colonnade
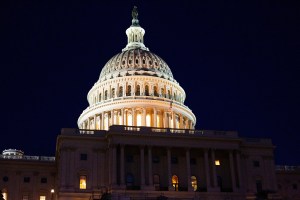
(209, 167)
(151, 117)
(138, 88)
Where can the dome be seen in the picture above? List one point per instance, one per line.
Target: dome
(136, 62)
(136, 88)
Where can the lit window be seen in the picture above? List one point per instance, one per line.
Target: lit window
(175, 182)
(4, 195)
(42, 197)
(148, 120)
(194, 182)
(129, 118)
(82, 183)
(139, 120)
(217, 162)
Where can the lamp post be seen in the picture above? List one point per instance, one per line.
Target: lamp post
(52, 193)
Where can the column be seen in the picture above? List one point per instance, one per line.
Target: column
(174, 119)
(150, 166)
(238, 163)
(233, 181)
(88, 126)
(144, 117)
(122, 167)
(188, 169)
(142, 158)
(165, 119)
(102, 121)
(154, 117)
(122, 115)
(181, 122)
(133, 117)
(169, 169)
(215, 183)
(95, 123)
(206, 168)
(112, 115)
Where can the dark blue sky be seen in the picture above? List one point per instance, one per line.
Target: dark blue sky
(238, 62)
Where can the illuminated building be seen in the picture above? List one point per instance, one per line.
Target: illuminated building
(136, 140)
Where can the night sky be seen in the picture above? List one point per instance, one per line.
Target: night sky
(238, 63)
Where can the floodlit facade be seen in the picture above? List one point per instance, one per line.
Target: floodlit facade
(136, 140)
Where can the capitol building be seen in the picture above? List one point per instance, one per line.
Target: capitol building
(137, 140)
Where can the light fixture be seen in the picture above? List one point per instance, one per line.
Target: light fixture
(52, 191)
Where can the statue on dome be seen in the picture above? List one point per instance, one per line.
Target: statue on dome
(134, 13)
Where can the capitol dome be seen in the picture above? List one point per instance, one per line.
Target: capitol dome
(136, 88)
(136, 62)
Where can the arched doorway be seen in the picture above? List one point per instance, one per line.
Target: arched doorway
(175, 182)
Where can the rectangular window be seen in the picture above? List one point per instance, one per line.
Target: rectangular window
(256, 163)
(82, 182)
(174, 160)
(42, 197)
(129, 158)
(217, 162)
(43, 180)
(83, 156)
(26, 179)
(155, 159)
(193, 161)
(295, 186)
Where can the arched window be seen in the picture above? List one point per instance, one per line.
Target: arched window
(105, 95)
(162, 92)
(82, 182)
(174, 96)
(100, 97)
(113, 93)
(138, 90)
(128, 93)
(4, 193)
(156, 181)
(169, 94)
(175, 182)
(120, 91)
(155, 91)
(129, 179)
(194, 182)
(147, 90)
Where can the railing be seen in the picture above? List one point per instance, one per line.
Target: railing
(17, 157)
(257, 141)
(287, 168)
(144, 129)
(153, 130)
